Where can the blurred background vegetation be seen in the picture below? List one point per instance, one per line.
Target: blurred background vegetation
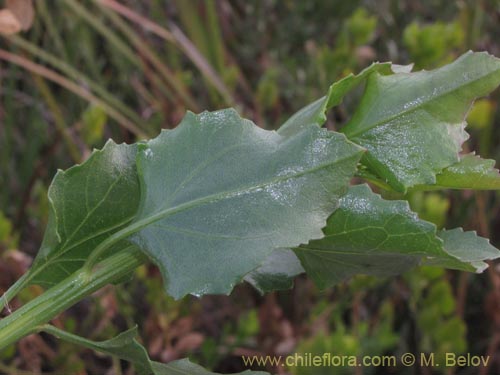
(81, 72)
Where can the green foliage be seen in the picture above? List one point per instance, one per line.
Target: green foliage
(440, 329)
(368, 235)
(126, 347)
(430, 45)
(366, 339)
(276, 272)
(94, 119)
(6, 238)
(219, 200)
(315, 113)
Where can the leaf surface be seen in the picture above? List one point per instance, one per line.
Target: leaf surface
(220, 194)
(89, 202)
(412, 124)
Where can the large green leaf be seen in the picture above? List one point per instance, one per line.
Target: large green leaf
(126, 347)
(220, 194)
(368, 235)
(413, 123)
(471, 172)
(89, 202)
(315, 113)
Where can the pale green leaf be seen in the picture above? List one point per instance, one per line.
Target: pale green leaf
(220, 194)
(412, 124)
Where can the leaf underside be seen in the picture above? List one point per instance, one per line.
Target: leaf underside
(184, 366)
(220, 194)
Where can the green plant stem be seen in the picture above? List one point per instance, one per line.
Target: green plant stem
(373, 180)
(61, 334)
(39, 311)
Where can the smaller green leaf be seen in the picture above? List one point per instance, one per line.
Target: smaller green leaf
(315, 113)
(126, 347)
(277, 272)
(471, 172)
(468, 251)
(123, 346)
(368, 235)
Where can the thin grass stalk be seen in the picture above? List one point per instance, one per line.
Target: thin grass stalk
(75, 75)
(73, 87)
(169, 76)
(178, 39)
(58, 117)
(105, 31)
